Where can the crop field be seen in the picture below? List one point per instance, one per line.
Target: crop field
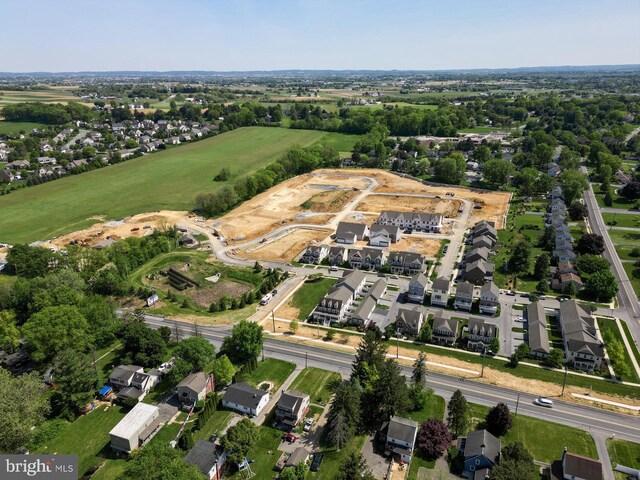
(17, 127)
(163, 180)
(8, 97)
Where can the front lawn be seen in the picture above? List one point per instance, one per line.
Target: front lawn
(87, 437)
(264, 453)
(610, 327)
(434, 409)
(271, 370)
(333, 458)
(622, 452)
(621, 220)
(307, 297)
(545, 440)
(624, 237)
(317, 383)
(218, 421)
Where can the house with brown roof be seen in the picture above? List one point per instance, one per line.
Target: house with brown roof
(575, 467)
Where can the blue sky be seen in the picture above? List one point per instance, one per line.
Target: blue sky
(75, 35)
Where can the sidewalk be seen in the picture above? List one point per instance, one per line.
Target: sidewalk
(603, 454)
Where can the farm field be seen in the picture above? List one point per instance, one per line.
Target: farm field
(16, 127)
(164, 180)
(51, 95)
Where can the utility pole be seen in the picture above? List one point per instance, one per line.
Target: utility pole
(263, 352)
(273, 319)
(397, 344)
(564, 382)
(517, 404)
(306, 359)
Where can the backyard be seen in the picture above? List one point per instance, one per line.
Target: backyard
(435, 409)
(271, 370)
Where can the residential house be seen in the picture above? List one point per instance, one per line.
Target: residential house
(7, 175)
(46, 160)
(622, 178)
(367, 259)
(581, 344)
(334, 305)
(400, 437)
(563, 281)
(18, 165)
(475, 254)
(575, 467)
(553, 170)
(337, 255)
(315, 254)
(564, 255)
(408, 263)
(440, 292)
(480, 333)
(298, 456)
(417, 288)
(362, 314)
(243, 398)
(485, 228)
(139, 386)
(194, 387)
(482, 241)
(537, 334)
(557, 205)
(428, 222)
(135, 428)
(350, 233)
(208, 457)
(444, 331)
(291, 408)
(556, 193)
(481, 452)
(478, 272)
(172, 141)
(122, 376)
(566, 267)
(489, 298)
(464, 296)
(409, 320)
(383, 235)
(76, 164)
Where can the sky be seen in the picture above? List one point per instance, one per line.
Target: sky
(230, 35)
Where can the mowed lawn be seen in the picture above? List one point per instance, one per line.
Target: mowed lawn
(271, 370)
(317, 383)
(87, 437)
(309, 295)
(435, 408)
(16, 127)
(545, 440)
(163, 180)
(622, 452)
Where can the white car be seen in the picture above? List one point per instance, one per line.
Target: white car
(519, 319)
(308, 424)
(543, 402)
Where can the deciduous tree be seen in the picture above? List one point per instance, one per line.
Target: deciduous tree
(498, 420)
(158, 461)
(245, 342)
(590, 243)
(434, 438)
(76, 380)
(196, 351)
(602, 285)
(223, 371)
(239, 440)
(520, 260)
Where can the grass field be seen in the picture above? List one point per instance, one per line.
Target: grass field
(16, 127)
(545, 440)
(309, 295)
(56, 95)
(434, 409)
(610, 326)
(618, 201)
(624, 453)
(163, 180)
(87, 437)
(333, 458)
(317, 383)
(621, 220)
(218, 421)
(635, 282)
(624, 237)
(272, 370)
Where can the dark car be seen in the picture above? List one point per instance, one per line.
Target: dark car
(289, 437)
(317, 460)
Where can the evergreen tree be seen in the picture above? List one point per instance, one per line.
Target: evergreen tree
(498, 420)
(419, 374)
(458, 414)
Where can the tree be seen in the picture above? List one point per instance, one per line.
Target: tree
(602, 285)
(590, 243)
(53, 329)
(29, 262)
(165, 333)
(387, 396)
(245, 342)
(239, 440)
(426, 332)
(541, 268)
(543, 286)
(346, 403)
(482, 154)
(354, 467)
(434, 438)
(419, 374)
(76, 379)
(555, 359)
(450, 169)
(294, 325)
(494, 345)
(572, 183)
(340, 432)
(158, 461)
(515, 462)
(9, 333)
(223, 371)
(631, 190)
(458, 414)
(578, 211)
(589, 263)
(498, 420)
(520, 260)
(299, 472)
(196, 351)
(370, 355)
(22, 407)
(608, 198)
(223, 175)
(498, 172)
(143, 345)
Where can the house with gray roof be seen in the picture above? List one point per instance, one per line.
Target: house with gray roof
(122, 376)
(367, 258)
(291, 408)
(243, 398)
(417, 288)
(480, 333)
(383, 235)
(334, 305)
(444, 331)
(428, 222)
(489, 298)
(478, 272)
(537, 335)
(315, 254)
(400, 437)
(208, 457)
(481, 452)
(582, 346)
(378, 289)
(350, 232)
(194, 387)
(482, 241)
(475, 254)
(337, 255)
(464, 296)
(440, 292)
(409, 320)
(408, 263)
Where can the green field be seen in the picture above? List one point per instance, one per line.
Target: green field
(622, 220)
(272, 370)
(434, 409)
(624, 237)
(16, 127)
(545, 440)
(163, 180)
(334, 458)
(635, 282)
(57, 95)
(624, 453)
(610, 326)
(309, 295)
(317, 383)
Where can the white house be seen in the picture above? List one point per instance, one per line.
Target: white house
(440, 292)
(244, 398)
(400, 437)
(135, 428)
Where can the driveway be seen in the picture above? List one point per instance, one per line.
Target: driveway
(377, 463)
(169, 407)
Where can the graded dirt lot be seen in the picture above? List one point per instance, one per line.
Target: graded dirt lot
(117, 230)
(425, 246)
(283, 204)
(377, 203)
(286, 247)
(494, 204)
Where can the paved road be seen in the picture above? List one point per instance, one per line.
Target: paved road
(632, 134)
(587, 418)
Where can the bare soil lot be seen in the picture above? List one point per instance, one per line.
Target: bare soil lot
(286, 247)
(425, 246)
(377, 203)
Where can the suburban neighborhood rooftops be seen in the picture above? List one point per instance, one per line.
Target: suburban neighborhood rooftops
(134, 420)
(577, 466)
(195, 381)
(378, 289)
(352, 280)
(537, 326)
(349, 228)
(445, 324)
(124, 372)
(402, 429)
(299, 455)
(490, 287)
(465, 288)
(243, 394)
(420, 279)
(441, 283)
(291, 399)
(481, 442)
(203, 455)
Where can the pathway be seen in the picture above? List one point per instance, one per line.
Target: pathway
(259, 419)
(620, 211)
(603, 454)
(627, 346)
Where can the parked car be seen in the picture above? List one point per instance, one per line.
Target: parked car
(525, 295)
(511, 293)
(519, 319)
(317, 460)
(289, 437)
(274, 293)
(333, 268)
(308, 424)
(394, 277)
(135, 229)
(542, 296)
